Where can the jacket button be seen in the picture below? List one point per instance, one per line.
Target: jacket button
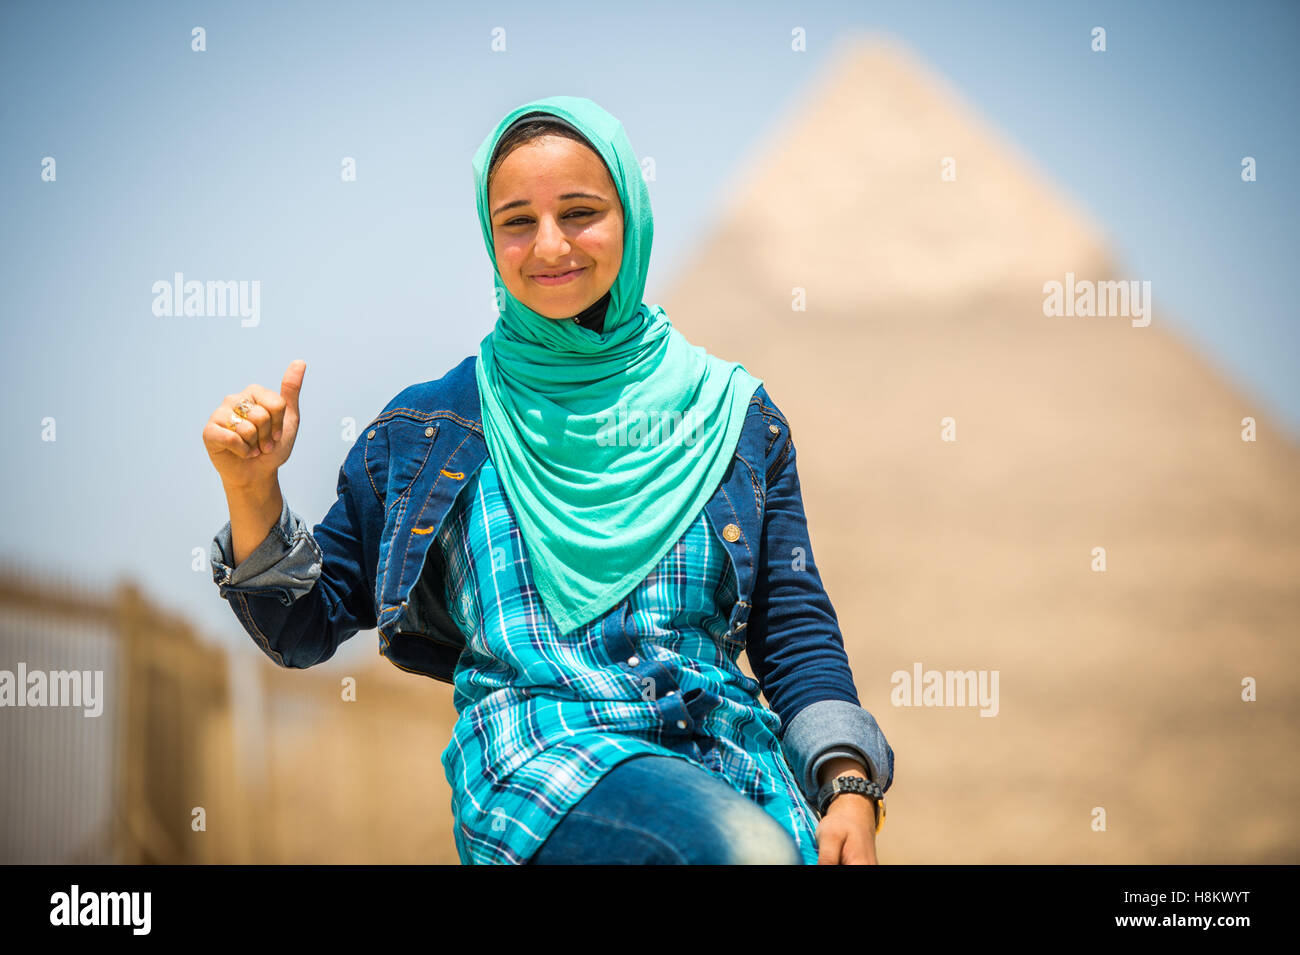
(428, 432)
(774, 429)
(681, 724)
(731, 532)
(371, 434)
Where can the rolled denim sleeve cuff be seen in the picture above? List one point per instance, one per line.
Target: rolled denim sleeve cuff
(823, 730)
(288, 559)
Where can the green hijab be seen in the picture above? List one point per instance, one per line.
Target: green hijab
(608, 443)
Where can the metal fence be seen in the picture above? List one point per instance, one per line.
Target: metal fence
(200, 755)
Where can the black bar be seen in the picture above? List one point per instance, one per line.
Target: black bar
(978, 904)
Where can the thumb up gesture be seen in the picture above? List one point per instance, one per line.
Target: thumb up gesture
(252, 431)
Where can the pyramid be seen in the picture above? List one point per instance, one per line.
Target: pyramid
(1120, 689)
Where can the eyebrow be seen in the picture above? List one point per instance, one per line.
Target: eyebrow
(523, 202)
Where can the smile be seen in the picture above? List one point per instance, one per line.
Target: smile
(558, 278)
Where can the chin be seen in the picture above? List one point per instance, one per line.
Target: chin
(551, 311)
(556, 312)
(558, 307)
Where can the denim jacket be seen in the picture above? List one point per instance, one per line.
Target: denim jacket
(372, 564)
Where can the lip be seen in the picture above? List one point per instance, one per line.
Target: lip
(561, 279)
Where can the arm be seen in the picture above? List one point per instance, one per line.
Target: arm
(253, 512)
(301, 593)
(795, 645)
(286, 562)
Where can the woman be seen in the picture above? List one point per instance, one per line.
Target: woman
(595, 590)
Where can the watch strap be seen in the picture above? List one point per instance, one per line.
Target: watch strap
(847, 783)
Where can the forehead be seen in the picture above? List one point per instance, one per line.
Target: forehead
(549, 161)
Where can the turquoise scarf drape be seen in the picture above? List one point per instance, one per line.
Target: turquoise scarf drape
(608, 443)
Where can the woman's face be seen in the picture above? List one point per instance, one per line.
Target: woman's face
(555, 210)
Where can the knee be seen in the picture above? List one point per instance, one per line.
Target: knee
(750, 836)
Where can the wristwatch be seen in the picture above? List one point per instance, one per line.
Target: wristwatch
(849, 783)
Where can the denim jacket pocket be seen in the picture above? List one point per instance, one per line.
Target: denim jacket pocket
(397, 449)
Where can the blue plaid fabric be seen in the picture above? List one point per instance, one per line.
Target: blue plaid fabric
(543, 718)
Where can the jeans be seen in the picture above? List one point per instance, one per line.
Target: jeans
(662, 810)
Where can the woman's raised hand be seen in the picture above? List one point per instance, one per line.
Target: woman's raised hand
(249, 453)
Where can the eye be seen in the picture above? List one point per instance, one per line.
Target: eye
(523, 220)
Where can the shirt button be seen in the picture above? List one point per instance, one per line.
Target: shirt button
(681, 724)
(731, 532)
(428, 432)
(371, 434)
(632, 661)
(774, 429)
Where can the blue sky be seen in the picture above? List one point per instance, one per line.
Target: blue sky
(225, 164)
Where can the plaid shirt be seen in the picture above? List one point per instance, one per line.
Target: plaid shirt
(542, 719)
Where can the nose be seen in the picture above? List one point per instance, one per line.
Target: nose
(551, 242)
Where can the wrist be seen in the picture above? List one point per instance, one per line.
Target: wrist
(852, 784)
(841, 766)
(257, 491)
